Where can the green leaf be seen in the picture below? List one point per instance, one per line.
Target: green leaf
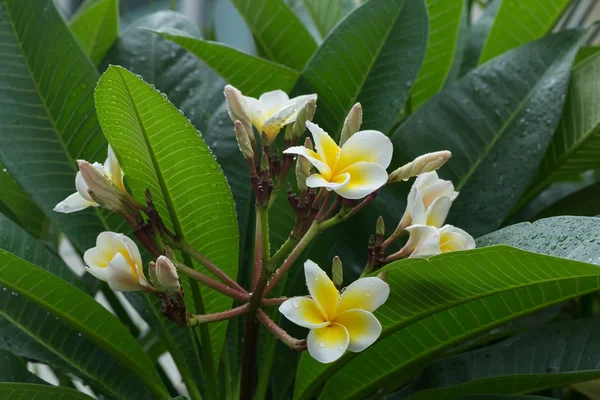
(14, 369)
(583, 202)
(96, 27)
(445, 20)
(505, 397)
(520, 22)
(574, 146)
(26, 213)
(437, 303)
(584, 53)
(477, 34)
(278, 31)
(325, 14)
(72, 325)
(365, 59)
(522, 364)
(487, 133)
(47, 117)
(160, 150)
(252, 75)
(20, 391)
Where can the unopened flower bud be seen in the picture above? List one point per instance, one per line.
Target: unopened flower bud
(99, 187)
(163, 275)
(306, 113)
(302, 173)
(264, 163)
(420, 165)
(243, 140)
(308, 144)
(352, 123)
(380, 227)
(337, 272)
(238, 109)
(383, 276)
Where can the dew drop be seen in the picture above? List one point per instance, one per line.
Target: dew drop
(295, 304)
(322, 344)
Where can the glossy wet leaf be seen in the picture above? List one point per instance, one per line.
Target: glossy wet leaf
(278, 31)
(96, 27)
(445, 19)
(489, 134)
(47, 115)
(521, 364)
(19, 391)
(365, 59)
(582, 202)
(440, 302)
(476, 36)
(252, 75)
(519, 22)
(14, 369)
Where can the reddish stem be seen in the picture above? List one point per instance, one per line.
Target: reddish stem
(291, 342)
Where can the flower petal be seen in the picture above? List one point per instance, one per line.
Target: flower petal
(273, 101)
(365, 178)
(94, 259)
(255, 111)
(424, 241)
(112, 167)
(438, 211)
(303, 311)
(132, 249)
(317, 180)
(453, 239)
(364, 294)
(328, 150)
(328, 344)
(311, 156)
(362, 326)
(321, 289)
(82, 187)
(74, 203)
(98, 273)
(369, 146)
(122, 276)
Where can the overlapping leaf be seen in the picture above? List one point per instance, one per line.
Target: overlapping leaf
(18, 391)
(325, 14)
(14, 369)
(96, 27)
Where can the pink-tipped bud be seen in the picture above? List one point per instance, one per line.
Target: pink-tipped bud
(163, 275)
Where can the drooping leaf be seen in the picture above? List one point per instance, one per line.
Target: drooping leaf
(47, 117)
(489, 134)
(57, 315)
(278, 30)
(555, 355)
(520, 22)
(252, 75)
(583, 202)
(365, 59)
(445, 18)
(14, 369)
(325, 14)
(20, 391)
(160, 150)
(96, 27)
(574, 146)
(476, 36)
(437, 303)
(26, 213)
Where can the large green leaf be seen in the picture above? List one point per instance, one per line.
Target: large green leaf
(582, 202)
(445, 19)
(252, 75)
(478, 32)
(20, 391)
(278, 31)
(519, 22)
(490, 134)
(522, 364)
(325, 14)
(47, 117)
(575, 144)
(26, 213)
(96, 27)
(373, 56)
(14, 369)
(160, 150)
(31, 296)
(439, 302)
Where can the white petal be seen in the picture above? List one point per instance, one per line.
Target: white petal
(328, 344)
(453, 238)
(132, 248)
(369, 146)
(362, 326)
(298, 103)
(98, 273)
(415, 207)
(327, 149)
(311, 156)
(424, 241)
(74, 203)
(304, 312)
(112, 167)
(317, 180)
(94, 259)
(122, 276)
(255, 112)
(365, 178)
(365, 294)
(321, 289)
(82, 187)
(104, 244)
(438, 211)
(273, 101)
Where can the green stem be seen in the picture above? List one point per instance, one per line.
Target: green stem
(264, 228)
(283, 251)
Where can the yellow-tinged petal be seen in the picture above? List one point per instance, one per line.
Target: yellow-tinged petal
(328, 344)
(324, 144)
(303, 311)
(318, 180)
(438, 211)
(321, 289)
(424, 241)
(369, 146)
(312, 157)
(365, 178)
(362, 326)
(453, 239)
(113, 169)
(122, 276)
(364, 294)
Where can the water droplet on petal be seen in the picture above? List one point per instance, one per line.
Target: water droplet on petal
(322, 344)
(295, 303)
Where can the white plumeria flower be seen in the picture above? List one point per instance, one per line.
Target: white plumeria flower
(427, 241)
(337, 323)
(353, 171)
(163, 275)
(97, 178)
(116, 259)
(429, 201)
(269, 113)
